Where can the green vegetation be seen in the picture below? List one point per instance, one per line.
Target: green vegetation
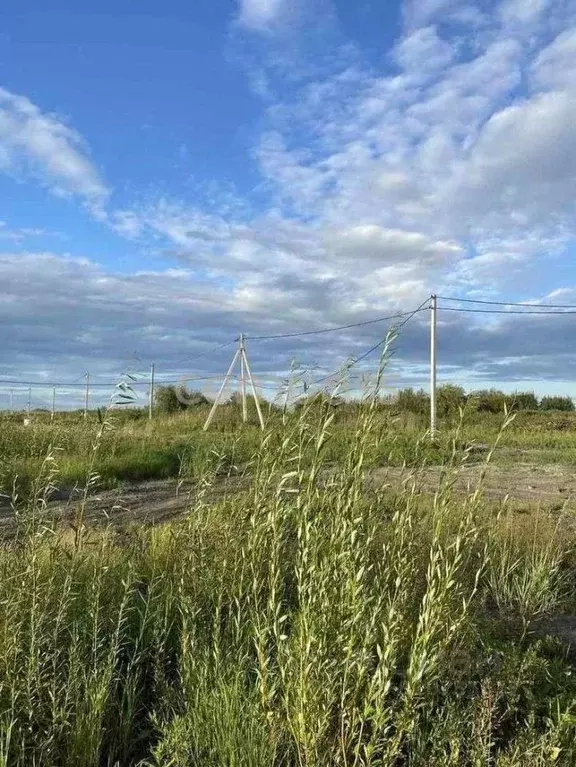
(133, 448)
(305, 622)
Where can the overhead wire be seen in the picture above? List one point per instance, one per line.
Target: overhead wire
(506, 303)
(398, 315)
(407, 317)
(519, 308)
(504, 311)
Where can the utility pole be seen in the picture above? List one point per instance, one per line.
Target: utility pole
(87, 394)
(245, 367)
(256, 400)
(433, 323)
(243, 380)
(151, 399)
(11, 400)
(53, 404)
(29, 400)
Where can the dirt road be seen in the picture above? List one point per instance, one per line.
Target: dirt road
(551, 486)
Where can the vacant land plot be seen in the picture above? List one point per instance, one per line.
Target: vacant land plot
(339, 590)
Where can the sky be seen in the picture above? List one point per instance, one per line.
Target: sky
(175, 174)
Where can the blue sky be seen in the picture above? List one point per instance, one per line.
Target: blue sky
(177, 174)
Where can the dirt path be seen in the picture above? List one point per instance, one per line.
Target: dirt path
(551, 486)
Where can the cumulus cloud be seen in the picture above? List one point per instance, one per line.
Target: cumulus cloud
(42, 145)
(67, 315)
(452, 168)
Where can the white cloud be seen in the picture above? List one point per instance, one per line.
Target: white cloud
(42, 145)
(554, 67)
(454, 166)
(261, 15)
(523, 11)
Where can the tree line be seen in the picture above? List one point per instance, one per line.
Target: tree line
(450, 398)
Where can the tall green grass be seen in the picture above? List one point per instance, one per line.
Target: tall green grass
(305, 622)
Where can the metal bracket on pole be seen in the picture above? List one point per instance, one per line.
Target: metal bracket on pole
(244, 368)
(433, 348)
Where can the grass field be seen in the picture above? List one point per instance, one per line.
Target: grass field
(303, 622)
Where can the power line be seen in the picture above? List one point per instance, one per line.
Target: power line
(47, 384)
(499, 311)
(207, 353)
(398, 315)
(507, 303)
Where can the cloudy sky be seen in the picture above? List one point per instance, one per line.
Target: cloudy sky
(174, 174)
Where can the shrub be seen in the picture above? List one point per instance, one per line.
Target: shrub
(170, 400)
(449, 399)
(413, 401)
(557, 403)
(489, 400)
(523, 400)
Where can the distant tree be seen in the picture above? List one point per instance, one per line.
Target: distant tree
(196, 399)
(408, 400)
(489, 400)
(169, 400)
(557, 403)
(450, 398)
(523, 400)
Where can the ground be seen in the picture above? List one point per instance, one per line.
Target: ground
(551, 487)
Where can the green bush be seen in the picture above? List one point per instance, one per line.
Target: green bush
(167, 400)
(489, 400)
(412, 401)
(557, 403)
(174, 399)
(524, 400)
(450, 399)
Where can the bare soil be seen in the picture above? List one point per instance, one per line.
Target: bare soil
(154, 502)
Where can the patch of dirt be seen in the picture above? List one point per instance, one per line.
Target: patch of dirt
(145, 503)
(550, 485)
(154, 502)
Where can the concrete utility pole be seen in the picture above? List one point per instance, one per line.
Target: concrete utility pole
(243, 380)
(433, 323)
(256, 400)
(87, 394)
(53, 403)
(245, 368)
(29, 400)
(151, 399)
(11, 400)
